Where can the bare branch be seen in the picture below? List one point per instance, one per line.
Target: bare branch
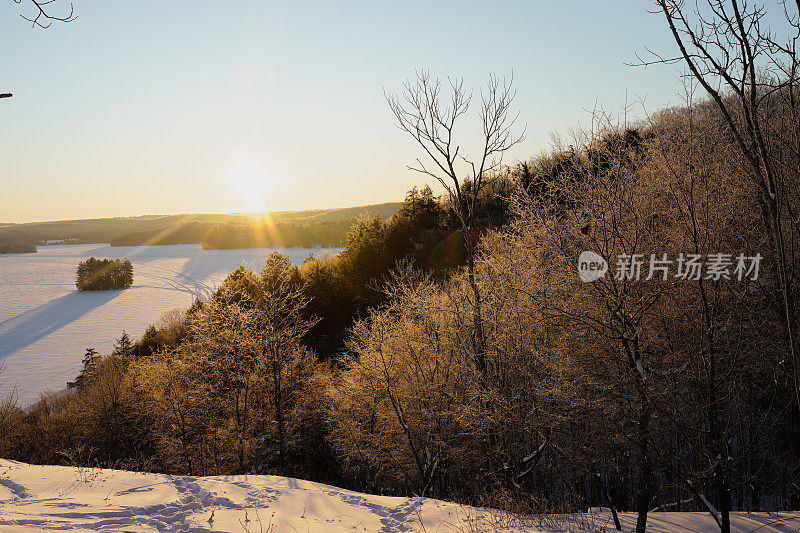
(44, 19)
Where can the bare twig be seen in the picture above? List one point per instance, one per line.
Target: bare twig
(44, 19)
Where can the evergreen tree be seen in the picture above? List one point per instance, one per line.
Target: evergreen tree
(90, 359)
(122, 346)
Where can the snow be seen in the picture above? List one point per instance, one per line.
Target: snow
(42, 498)
(46, 324)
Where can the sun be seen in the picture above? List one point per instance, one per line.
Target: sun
(249, 183)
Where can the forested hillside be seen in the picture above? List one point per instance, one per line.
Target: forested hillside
(613, 323)
(171, 229)
(361, 368)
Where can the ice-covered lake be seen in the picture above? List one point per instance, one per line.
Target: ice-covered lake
(46, 325)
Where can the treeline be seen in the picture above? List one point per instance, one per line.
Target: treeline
(670, 387)
(244, 234)
(13, 242)
(17, 248)
(167, 229)
(343, 288)
(268, 234)
(102, 230)
(182, 233)
(104, 274)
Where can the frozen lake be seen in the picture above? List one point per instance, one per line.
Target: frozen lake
(46, 325)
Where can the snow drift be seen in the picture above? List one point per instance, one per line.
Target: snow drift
(37, 498)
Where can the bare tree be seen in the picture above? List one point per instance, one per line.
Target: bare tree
(744, 68)
(430, 117)
(697, 187)
(751, 74)
(43, 18)
(618, 311)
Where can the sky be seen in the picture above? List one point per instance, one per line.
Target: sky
(155, 107)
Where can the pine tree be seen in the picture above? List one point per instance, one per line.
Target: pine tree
(90, 359)
(123, 345)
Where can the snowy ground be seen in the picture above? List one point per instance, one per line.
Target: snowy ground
(46, 325)
(42, 498)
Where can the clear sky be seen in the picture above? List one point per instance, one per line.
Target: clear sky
(153, 107)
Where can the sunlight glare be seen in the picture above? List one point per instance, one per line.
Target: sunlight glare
(249, 182)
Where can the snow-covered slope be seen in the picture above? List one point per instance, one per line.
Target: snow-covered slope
(42, 498)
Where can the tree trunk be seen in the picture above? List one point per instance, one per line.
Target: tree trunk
(479, 344)
(604, 493)
(276, 379)
(646, 469)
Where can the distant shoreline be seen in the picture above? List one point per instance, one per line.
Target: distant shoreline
(303, 229)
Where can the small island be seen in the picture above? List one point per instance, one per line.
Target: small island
(104, 274)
